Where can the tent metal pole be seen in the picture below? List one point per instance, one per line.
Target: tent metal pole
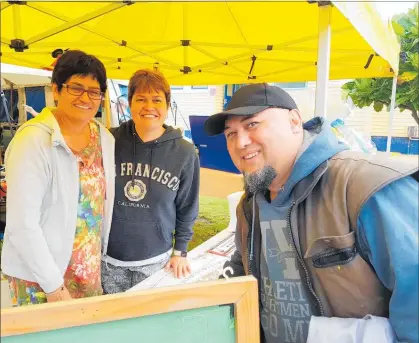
(75, 22)
(391, 116)
(323, 60)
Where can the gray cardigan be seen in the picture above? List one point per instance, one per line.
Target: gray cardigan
(42, 199)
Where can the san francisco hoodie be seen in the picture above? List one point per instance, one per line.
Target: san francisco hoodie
(156, 197)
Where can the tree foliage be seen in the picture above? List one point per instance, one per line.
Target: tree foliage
(377, 91)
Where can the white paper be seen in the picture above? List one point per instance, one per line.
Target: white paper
(206, 262)
(349, 330)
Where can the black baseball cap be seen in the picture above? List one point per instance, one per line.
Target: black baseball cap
(248, 100)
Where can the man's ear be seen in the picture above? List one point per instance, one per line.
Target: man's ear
(295, 121)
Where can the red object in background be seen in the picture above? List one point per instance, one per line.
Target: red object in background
(3, 189)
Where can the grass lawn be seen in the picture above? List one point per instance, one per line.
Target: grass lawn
(213, 217)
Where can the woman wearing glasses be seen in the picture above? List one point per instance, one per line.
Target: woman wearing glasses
(60, 176)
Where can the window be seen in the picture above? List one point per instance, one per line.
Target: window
(124, 90)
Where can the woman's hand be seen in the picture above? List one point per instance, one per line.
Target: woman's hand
(59, 294)
(180, 266)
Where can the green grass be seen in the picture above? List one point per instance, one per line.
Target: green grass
(213, 217)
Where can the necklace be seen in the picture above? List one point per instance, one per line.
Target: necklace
(281, 188)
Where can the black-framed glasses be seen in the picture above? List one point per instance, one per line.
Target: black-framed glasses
(93, 94)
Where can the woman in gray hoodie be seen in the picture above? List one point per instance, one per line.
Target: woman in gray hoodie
(156, 190)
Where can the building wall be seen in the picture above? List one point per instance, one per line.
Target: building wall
(194, 101)
(401, 122)
(219, 99)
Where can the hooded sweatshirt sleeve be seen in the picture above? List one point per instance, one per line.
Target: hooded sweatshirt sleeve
(187, 203)
(27, 181)
(388, 234)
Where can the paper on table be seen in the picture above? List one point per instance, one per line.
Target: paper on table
(206, 266)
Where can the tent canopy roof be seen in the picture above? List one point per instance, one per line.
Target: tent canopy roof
(23, 80)
(195, 43)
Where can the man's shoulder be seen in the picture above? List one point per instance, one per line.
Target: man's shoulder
(357, 176)
(354, 164)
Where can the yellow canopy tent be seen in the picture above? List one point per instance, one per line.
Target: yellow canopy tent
(214, 42)
(201, 42)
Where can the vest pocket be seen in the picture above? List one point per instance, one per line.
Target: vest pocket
(334, 257)
(346, 279)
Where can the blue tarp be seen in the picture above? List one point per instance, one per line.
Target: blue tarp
(402, 145)
(35, 97)
(213, 152)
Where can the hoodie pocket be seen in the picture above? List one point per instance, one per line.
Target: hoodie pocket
(348, 281)
(136, 241)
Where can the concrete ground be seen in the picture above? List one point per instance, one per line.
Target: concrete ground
(218, 184)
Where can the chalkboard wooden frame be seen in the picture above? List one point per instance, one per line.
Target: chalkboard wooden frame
(241, 292)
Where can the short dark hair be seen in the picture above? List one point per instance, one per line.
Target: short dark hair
(146, 80)
(76, 62)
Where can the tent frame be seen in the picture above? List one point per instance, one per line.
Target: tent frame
(323, 69)
(323, 37)
(36, 43)
(323, 60)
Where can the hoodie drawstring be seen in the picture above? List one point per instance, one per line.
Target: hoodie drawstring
(134, 143)
(170, 134)
(134, 157)
(151, 163)
(253, 227)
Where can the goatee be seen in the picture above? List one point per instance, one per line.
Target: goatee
(259, 181)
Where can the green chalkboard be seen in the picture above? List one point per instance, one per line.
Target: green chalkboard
(204, 325)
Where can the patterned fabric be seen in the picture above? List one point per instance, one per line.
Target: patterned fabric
(82, 278)
(119, 279)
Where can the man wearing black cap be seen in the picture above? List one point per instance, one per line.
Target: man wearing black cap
(314, 225)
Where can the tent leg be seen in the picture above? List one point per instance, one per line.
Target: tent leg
(23, 116)
(391, 116)
(107, 110)
(323, 60)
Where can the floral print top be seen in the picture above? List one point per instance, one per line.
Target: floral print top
(82, 277)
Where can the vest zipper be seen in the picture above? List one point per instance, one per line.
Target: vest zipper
(249, 260)
(300, 260)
